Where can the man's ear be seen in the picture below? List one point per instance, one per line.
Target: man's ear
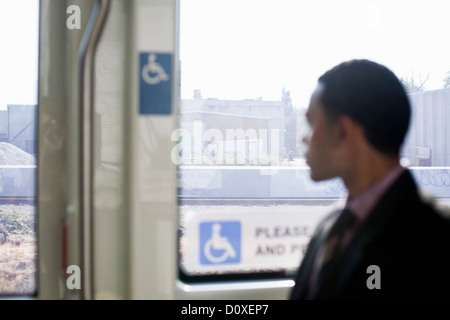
(347, 130)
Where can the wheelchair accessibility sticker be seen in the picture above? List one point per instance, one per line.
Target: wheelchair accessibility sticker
(155, 85)
(220, 242)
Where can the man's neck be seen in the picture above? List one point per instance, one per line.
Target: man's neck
(366, 173)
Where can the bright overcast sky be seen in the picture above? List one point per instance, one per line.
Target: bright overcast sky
(245, 49)
(19, 54)
(238, 49)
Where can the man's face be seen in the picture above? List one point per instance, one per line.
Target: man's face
(321, 141)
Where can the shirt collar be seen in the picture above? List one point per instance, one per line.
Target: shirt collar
(362, 204)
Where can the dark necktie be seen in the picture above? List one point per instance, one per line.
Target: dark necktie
(333, 246)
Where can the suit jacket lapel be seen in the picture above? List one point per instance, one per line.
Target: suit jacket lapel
(304, 273)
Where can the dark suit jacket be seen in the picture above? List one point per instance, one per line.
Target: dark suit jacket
(404, 235)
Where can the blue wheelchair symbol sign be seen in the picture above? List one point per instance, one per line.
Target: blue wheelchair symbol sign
(220, 242)
(155, 83)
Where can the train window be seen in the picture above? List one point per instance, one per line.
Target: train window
(247, 204)
(18, 152)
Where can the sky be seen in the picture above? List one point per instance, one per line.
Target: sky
(19, 52)
(246, 49)
(249, 49)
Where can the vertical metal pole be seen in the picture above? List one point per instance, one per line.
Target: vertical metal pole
(87, 90)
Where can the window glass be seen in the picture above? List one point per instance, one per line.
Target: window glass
(18, 153)
(248, 68)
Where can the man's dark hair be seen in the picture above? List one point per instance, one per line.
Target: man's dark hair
(371, 95)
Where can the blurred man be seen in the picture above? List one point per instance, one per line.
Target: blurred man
(388, 241)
